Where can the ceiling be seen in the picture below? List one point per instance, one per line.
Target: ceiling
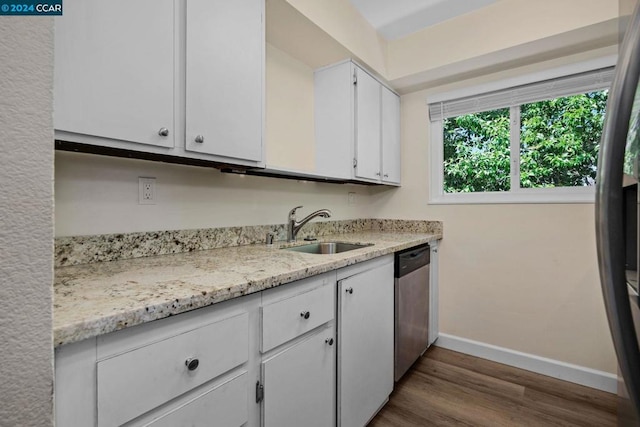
(394, 19)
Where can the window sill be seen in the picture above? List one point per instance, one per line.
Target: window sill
(530, 196)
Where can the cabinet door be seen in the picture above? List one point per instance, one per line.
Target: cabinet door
(367, 126)
(114, 70)
(333, 97)
(300, 384)
(365, 352)
(224, 72)
(223, 406)
(390, 137)
(75, 384)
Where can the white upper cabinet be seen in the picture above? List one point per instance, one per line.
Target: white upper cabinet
(224, 73)
(390, 161)
(114, 70)
(368, 128)
(180, 78)
(357, 125)
(334, 115)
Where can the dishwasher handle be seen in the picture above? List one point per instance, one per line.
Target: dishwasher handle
(412, 259)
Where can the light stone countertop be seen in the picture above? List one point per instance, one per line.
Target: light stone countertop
(95, 299)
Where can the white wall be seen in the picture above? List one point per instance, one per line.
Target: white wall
(290, 139)
(98, 194)
(342, 21)
(498, 27)
(626, 7)
(505, 34)
(523, 277)
(26, 226)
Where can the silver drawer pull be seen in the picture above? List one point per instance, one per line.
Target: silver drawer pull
(349, 290)
(163, 132)
(192, 363)
(329, 341)
(305, 314)
(199, 139)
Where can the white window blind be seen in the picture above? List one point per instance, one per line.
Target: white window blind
(539, 91)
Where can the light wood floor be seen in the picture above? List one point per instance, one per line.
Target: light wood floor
(447, 388)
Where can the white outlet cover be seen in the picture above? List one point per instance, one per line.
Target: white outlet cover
(146, 191)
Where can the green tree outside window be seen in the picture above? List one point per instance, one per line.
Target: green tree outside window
(559, 141)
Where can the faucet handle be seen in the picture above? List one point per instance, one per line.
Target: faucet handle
(269, 238)
(292, 212)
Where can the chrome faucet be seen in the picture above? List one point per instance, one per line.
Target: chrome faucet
(294, 226)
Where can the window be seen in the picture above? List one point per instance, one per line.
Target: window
(536, 142)
(477, 152)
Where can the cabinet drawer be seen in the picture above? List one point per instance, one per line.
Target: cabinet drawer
(286, 319)
(224, 405)
(135, 382)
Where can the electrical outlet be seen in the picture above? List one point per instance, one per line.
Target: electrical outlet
(351, 199)
(146, 191)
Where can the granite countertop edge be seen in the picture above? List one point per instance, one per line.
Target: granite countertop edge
(79, 314)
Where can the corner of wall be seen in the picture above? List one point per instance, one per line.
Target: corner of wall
(341, 20)
(26, 220)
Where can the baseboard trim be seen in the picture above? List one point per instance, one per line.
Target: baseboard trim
(553, 368)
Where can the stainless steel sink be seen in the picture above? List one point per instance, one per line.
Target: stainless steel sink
(327, 247)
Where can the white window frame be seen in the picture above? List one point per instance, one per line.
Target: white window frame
(516, 194)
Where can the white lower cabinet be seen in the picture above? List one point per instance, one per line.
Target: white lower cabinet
(272, 359)
(185, 370)
(224, 405)
(300, 383)
(299, 359)
(139, 380)
(365, 331)
(293, 310)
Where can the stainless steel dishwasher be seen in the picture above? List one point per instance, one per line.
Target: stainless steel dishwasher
(411, 307)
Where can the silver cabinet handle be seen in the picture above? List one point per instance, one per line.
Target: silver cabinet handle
(192, 363)
(199, 139)
(163, 132)
(386, 175)
(305, 314)
(329, 341)
(377, 173)
(349, 290)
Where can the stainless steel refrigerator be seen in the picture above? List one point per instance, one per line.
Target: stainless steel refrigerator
(617, 220)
